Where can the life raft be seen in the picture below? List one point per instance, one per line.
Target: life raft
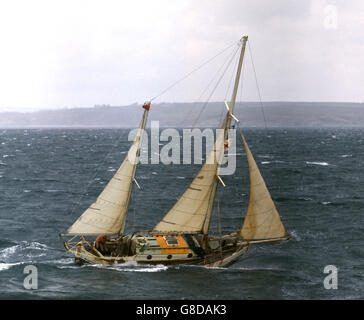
(141, 241)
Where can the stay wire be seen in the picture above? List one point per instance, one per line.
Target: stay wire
(242, 83)
(228, 88)
(237, 124)
(96, 173)
(219, 221)
(231, 78)
(207, 87)
(260, 98)
(194, 70)
(219, 213)
(256, 82)
(243, 209)
(213, 90)
(178, 81)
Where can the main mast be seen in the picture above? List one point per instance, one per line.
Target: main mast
(227, 120)
(243, 40)
(192, 212)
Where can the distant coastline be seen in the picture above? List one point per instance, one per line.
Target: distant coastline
(251, 114)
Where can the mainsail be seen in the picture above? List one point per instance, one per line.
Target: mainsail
(192, 212)
(262, 220)
(107, 215)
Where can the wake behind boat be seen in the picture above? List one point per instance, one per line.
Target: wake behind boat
(182, 235)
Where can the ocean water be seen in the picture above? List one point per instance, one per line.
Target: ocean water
(316, 178)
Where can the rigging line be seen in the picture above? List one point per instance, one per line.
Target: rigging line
(242, 83)
(228, 65)
(232, 76)
(218, 213)
(94, 176)
(228, 88)
(244, 210)
(236, 125)
(203, 92)
(222, 115)
(206, 88)
(256, 82)
(191, 72)
(219, 220)
(133, 201)
(241, 87)
(132, 224)
(260, 99)
(218, 82)
(213, 186)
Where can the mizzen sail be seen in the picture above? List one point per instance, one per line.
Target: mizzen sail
(262, 220)
(107, 215)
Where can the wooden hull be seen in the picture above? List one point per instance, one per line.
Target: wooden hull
(222, 257)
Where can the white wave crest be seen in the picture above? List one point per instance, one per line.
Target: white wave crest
(6, 266)
(24, 251)
(133, 266)
(325, 202)
(156, 268)
(130, 266)
(318, 163)
(295, 236)
(61, 261)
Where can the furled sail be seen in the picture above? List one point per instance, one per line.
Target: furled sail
(107, 215)
(193, 209)
(262, 220)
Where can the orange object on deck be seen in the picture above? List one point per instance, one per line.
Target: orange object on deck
(181, 247)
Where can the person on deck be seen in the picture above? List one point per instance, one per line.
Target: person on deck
(100, 243)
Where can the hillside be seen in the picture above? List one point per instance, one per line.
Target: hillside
(277, 114)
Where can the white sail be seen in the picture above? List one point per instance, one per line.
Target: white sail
(193, 210)
(107, 215)
(262, 220)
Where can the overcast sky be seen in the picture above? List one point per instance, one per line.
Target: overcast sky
(57, 54)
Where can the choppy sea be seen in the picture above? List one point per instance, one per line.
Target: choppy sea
(316, 178)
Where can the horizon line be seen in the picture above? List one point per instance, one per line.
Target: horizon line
(95, 106)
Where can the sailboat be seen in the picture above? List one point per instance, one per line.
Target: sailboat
(182, 235)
